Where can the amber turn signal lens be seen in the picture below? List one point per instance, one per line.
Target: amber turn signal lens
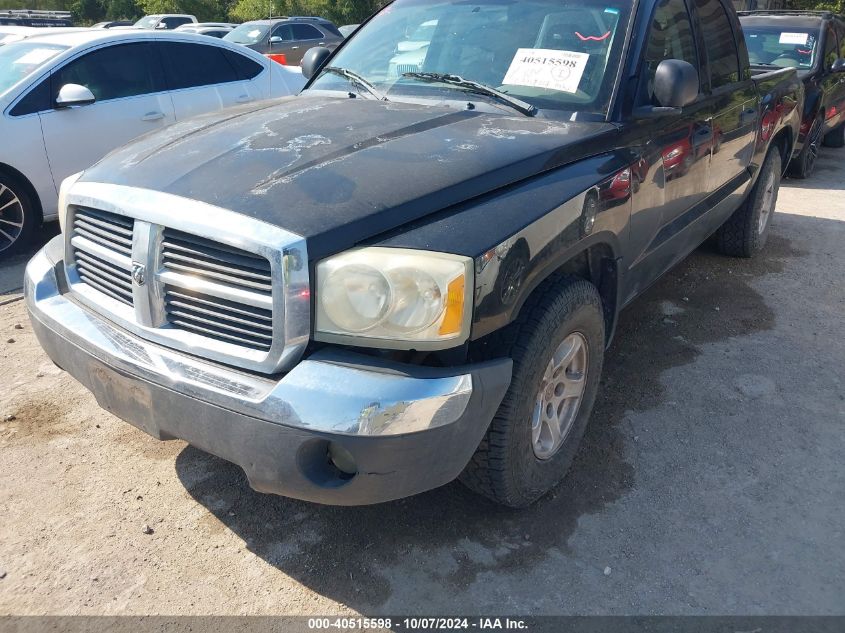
(454, 316)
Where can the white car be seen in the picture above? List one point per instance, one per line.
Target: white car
(165, 21)
(67, 100)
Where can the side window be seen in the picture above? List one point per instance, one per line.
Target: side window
(670, 37)
(841, 30)
(305, 32)
(284, 31)
(172, 23)
(719, 40)
(37, 100)
(113, 72)
(192, 65)
(830, 48)
(245, 67)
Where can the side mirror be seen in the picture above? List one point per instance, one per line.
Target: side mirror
(675, 83)
(73, 96)
(838, 66)
(161, 26)
(313, 60)
(275, 40)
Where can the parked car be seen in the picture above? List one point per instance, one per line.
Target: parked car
(165, 22)
(110, 24)
(289, 37)
(37, 18)
(813, 42)
(11, 33)
(347, 29)
(212, 29)
(68, 99)
(383, 284)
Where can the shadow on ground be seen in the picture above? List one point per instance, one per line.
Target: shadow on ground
(449, 533)
(12, 266)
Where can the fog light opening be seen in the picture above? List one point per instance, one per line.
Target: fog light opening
(342, 459)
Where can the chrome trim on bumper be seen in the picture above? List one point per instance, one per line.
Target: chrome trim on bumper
(329, 392)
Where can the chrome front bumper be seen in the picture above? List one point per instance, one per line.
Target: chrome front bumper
(408, 428)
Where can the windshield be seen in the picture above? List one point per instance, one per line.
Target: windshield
(555, 54)
(20, 59)
(792, 48)
(148, 22)
(248, 33)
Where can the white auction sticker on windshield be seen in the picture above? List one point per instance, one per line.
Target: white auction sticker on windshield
(794, 38)
(547, 68)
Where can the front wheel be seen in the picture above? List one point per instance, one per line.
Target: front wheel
(557, 347)
(17, 216)
(745, 232)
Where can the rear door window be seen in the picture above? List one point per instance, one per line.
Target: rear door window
(721, 46)
(193, 65)
(245, 67)
(306, 32)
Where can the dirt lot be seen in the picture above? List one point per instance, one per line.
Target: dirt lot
(711, 480)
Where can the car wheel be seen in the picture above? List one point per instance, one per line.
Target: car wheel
(836, 137)
(805, 163)
(557, 347)
(745, 232)
(17, 215)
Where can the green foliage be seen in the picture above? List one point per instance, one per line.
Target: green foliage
(338, 11)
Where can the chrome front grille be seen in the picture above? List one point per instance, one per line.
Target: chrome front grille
(102, 250)
(192, 255)
(218, 318)
(189, 275)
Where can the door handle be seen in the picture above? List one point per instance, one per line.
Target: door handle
(244, 99)
(294, 48)
(152, 116)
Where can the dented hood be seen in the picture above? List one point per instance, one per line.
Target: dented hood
(339, 171)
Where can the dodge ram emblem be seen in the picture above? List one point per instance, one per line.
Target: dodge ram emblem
(139, 273)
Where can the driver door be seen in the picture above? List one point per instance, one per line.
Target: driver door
(677, 152)
(127, 82)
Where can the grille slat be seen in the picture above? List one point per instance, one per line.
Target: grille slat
(215, 333)
(96, 237)
(217, 314)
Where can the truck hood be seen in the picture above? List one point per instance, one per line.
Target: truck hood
(340, 171)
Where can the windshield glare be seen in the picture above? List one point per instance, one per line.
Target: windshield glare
(20, 59)
(148, 22)
(247, 33)
(553, 54)
(792, 48)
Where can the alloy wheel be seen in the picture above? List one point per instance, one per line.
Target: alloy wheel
(11, 218)
(560, 395)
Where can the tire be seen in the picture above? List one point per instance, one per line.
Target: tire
(17, 215)
(836, 137)
(745, 232)
(804, 164)
(514, 465)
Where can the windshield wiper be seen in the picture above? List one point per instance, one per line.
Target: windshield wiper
(473, 86)
(356, 79)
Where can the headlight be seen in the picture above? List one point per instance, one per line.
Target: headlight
(394, 298)
(67, 183)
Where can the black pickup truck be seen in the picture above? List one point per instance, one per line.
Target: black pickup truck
(812, 42)
(410, 273)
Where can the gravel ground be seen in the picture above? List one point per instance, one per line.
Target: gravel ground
(711, 480)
